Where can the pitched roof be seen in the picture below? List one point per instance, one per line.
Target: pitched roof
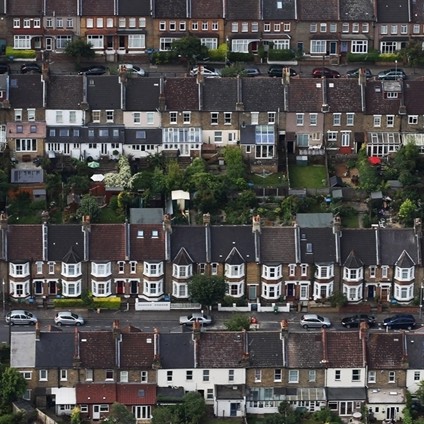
(271, 9)
(318, 10)
(317, 245)
(278, 244)
(169, 343)
(136, 394)
(393, 11)
(206, 9)
(107, 242)
(305, 95)
(376, 101)
(219, 94)
(262, 94)
(304, 350)
(170, 9)
(243, 9)
(414, 95)
(97, 8)
(142, 94)
(24, 7)
(394, 241)
(55, 349)
(225, 238)
(266, 349)
(415, 349)
(61, 7)
(26, 91)
(340, 342)
(24, 242)
(230, 345)
(191, 238)
(61, 238)
(417, 11)
(353, 261)
(64, 92)
(22, 349)
(104, 92)
(362, 242)
(385, 350)
(134, 8)
(147, 247)
(344, 95)
(181, 94)
(356, 10)
(137, 350)
(97, 349)
(88, 394)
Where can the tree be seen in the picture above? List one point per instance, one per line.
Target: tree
(207, 290)
(238, 322)
(12, 387)
(193, 408)
(190, 49)
(120, 414)
(407, 212)
(234, 164)
(165, 415)
(78, 49)
(76, 415)
(88, 207)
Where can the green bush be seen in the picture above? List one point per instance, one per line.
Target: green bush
(229, 301)
(280, 55)
(371, 57)
(240, 57)
(21, 54)
(163, 58)
(111, 302)
(68, 303)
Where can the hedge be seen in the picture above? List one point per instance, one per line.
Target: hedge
(372, 57)
(111, 302)
(240, 57)
(279, 54)
(22, 54)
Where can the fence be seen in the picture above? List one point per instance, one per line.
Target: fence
(256, 307)
(164, 306)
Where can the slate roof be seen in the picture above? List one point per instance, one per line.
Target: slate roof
(243, 9)
(414, 96)
(142, 94)
(356, 10)
(304, 350)
(192, 238)
(230, 345)
(88, 394)
(344, 95)
(26, 91)
(24, 8)
(362, 242)
(97, 349)
(219, 94)
(417, 11)
(394, 241)
(266, 349)
(136, 394)
(323, 245)
(63, 237)
(24, 242)
(353, 261)
(375, 101)
(305, 95)
(262, 94)
(143, 136)
(207, 9)
(134, 8)
(277, 245)
(55, 349)
(271, 11)
(182, 258)
(225, 238)
(147, 247)
(181, 94)
(340, 342)
(170, 9)
(97, 8)
(104, 92)
(60, 7)
(390, 11)
(107, 242)
(415, 350)
(169, 343)
(137, 350)
(64, 92)
(385, 350)
(318, 10)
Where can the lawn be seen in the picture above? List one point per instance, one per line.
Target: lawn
(312, 176)
(268, 180)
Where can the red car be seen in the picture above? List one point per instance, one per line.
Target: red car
(325, 72)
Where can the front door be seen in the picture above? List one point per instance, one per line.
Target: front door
(252, 292)
(49, 43)
(333, 47)
(96, 412)
(391, 413)
(291, 290)
(234, 407)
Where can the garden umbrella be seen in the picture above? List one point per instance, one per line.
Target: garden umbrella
(94, 164)
(97, 177)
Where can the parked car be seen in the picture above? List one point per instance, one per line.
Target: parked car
(30, 68)
(4, 68)
(251, 72)
(354, 73)
(132, 70)
(325, 72)
(206, 71)
(68, 318)
(20, 317)
(277, 71)
(196, 317)
(405, 321)
(392, 74)
(314, 321)
(93, 70)
(355, 320)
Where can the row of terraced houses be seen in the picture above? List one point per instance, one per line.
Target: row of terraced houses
(351, 372)
(149, 262)
(118, 27)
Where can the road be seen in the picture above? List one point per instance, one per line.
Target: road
(167, 322)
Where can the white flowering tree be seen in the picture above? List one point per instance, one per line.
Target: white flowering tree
(122, 177)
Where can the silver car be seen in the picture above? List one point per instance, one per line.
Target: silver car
(68, 318)
(20, 317)
(314, 321)
(203, 319)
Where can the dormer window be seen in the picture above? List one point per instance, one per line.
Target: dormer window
(234, 271)
(353, 274)
(404, 274)
(182, 271)
(71, 270)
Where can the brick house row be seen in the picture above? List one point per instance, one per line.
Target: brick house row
(104, 116)
(307, 261)
(253, 372)
(320, 29)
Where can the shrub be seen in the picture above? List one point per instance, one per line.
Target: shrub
(68, 303)
(21, 54)
(161, 58)
(280, 54)
(229, 301)
(388, 57)
(111, 302)
(240, 57)
(371, 57)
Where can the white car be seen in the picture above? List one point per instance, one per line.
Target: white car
(314, 321)
(206, 71)
(68, 318)
(132, 70)
(203, 319)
